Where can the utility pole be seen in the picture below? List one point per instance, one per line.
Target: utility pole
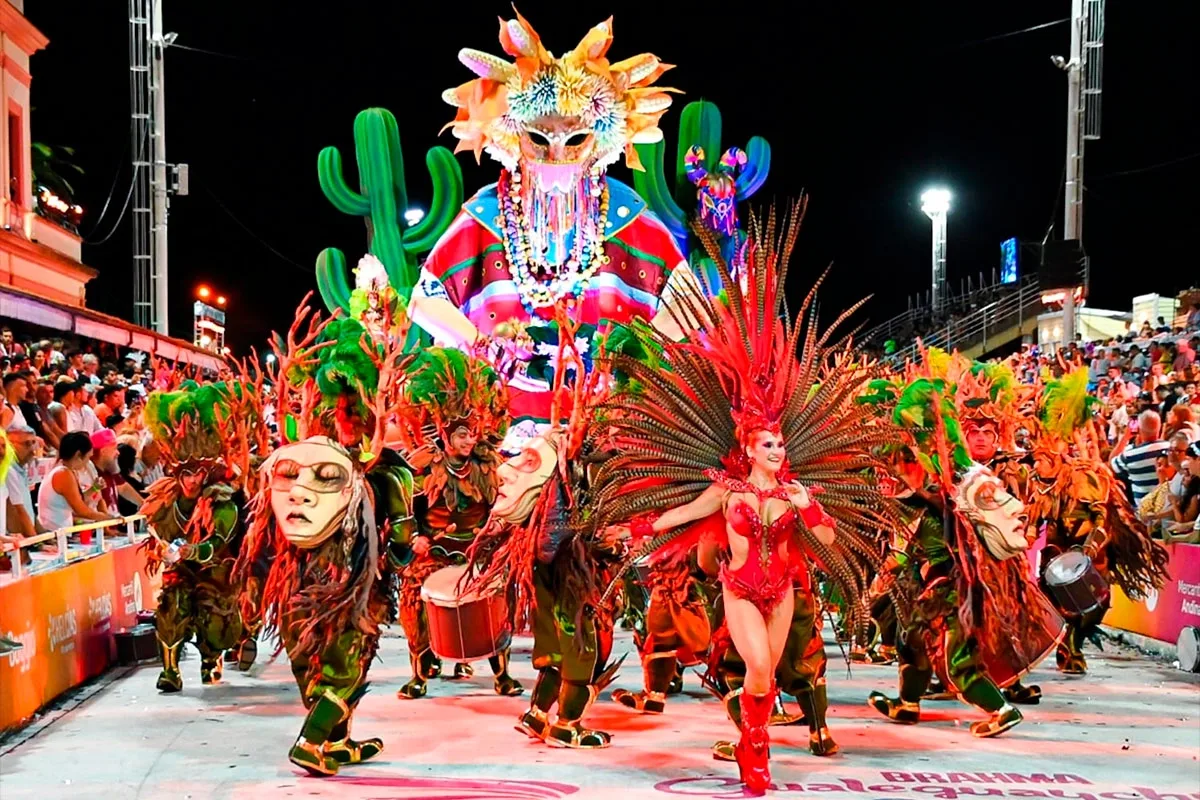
(1073, 201)
(158, 181)
(1085, 71)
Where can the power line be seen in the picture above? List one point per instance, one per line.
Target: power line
(176, 45)
(252, 234)
(111, 190)
(1149, 167)
(128, 195)
(999, 36)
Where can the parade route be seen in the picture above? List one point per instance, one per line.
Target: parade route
(1128, 731)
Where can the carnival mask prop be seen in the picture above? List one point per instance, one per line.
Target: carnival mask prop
(312, 484)
(998, 517)
(522, 478)
(576, 110)
(716, 188)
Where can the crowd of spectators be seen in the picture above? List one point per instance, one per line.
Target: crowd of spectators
(1148, 406)
(75, 425)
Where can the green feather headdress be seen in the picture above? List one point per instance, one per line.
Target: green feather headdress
(444, 386)
(187, 423)
(1066, 404)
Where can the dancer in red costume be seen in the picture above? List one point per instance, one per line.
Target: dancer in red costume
(717, 443)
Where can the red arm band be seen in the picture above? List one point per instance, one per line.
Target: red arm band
(815, 515)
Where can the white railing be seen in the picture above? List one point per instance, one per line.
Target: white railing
(1009, 312)
(918, 314)
(66, 553)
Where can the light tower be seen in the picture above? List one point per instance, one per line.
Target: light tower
(936, 205)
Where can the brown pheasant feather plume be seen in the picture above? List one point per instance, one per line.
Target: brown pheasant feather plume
(745, 367)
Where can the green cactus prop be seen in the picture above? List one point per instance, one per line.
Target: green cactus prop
(382, 201)
(675, 202)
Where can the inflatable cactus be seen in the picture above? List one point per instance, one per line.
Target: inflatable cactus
(382, 200)
(708, 181)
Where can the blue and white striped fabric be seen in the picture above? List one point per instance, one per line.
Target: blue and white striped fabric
(1137, 463)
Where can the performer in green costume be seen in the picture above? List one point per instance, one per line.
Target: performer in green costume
(454, 418)
(336, 516)
(196, 511)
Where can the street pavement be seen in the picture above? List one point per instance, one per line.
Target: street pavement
(1130, 730)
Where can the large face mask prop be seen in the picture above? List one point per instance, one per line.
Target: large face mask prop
(312, 483)
(522, 478)
(998, 517)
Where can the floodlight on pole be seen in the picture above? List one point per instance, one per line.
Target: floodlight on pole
(936, 205)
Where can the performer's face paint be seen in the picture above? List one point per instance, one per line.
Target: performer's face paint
(982, 441)
(766, 451)
(462, 442)
(191, 481)
(311, 484)
(998, 516)
(522, 477)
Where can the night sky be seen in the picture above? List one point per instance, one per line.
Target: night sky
(864, 106)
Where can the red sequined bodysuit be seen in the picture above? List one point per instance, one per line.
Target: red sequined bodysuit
(769, 571)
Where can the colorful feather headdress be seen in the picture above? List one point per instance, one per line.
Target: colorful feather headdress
(445, 387)
(617, 101)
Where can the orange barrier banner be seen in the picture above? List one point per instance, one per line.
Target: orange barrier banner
(135, 591)
(1166, 612)
(65, 619)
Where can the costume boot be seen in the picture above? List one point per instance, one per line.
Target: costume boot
(308, 753)
(504, 684)
(210, 668)
(1024, 695)
(984, 695)
(1069, 656)
(344, 750)
(169, 680)
(906, 709)
(422, 665)
(231, 655)
(815, 703)
(754, 747)
(535, 722)
(248, 651)
(574, 699)
(462, 670)
(658, 670)
(676, 684)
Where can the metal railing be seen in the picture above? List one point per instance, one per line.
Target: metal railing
(919, 310)
(1010, 311)
(68, 554)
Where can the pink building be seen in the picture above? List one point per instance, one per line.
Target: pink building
(43, 280)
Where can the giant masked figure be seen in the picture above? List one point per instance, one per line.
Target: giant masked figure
(555, 227)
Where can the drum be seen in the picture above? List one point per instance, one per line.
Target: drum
(466, 627)
(1076, 585)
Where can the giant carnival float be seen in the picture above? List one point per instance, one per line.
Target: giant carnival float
(566, 404)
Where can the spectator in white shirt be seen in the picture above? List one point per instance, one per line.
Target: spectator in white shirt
(16, 390)
(22, 518)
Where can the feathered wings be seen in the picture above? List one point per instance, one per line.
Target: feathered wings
(744, 365)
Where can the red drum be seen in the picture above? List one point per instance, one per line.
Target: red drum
(1076, 585)
(466, 627)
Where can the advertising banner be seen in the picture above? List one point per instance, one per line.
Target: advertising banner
(65, 619)
(1166, 612)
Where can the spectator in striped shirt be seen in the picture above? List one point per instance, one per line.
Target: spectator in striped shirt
(1137, 462)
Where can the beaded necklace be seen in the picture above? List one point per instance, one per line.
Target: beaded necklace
(539, 283)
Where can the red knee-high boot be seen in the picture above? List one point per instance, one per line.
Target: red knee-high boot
(754, 748)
